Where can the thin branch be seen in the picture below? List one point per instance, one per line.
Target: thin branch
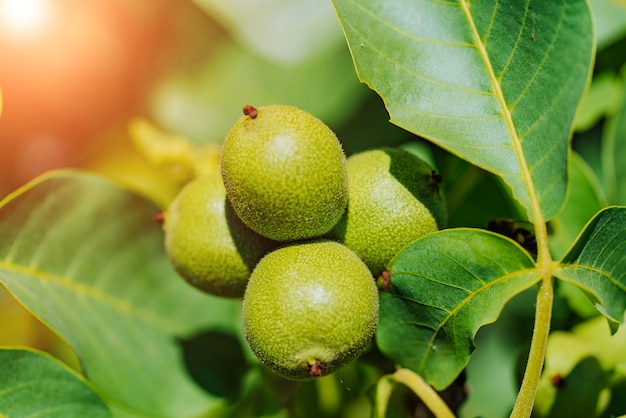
(424, 391)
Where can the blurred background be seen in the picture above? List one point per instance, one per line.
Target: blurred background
(74, 74)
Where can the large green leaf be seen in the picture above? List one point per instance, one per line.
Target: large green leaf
(444, 287)
(85, 256)
(35, 384)
(496, 83)
(597, 263)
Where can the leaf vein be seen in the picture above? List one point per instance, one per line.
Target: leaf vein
(577, 268)
(406, 34)
(120, 305)
(415, 74)
(517, 42)
(464, 302)
(453, 118)
(543, 61)
(535, 209)
(418, 302)
(491, 24)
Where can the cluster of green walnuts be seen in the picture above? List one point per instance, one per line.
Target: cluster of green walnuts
(300, 232)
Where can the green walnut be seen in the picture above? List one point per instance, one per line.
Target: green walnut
(206, 242)
(394, 198)
(309, 309)
(285, 173)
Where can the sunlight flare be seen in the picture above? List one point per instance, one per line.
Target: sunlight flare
(24, 17)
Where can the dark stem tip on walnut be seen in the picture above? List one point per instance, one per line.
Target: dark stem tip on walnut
(250, 111)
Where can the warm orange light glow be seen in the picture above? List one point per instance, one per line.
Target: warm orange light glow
(24, 17)
(70, 70)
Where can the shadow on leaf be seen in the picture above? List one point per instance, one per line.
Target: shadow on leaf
(215, 360)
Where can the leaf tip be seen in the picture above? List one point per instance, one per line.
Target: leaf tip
(613, 323)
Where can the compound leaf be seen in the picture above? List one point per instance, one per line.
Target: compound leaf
(496, 83)
(597, 263)
(85, 256)
(444, 287)
(35, 384)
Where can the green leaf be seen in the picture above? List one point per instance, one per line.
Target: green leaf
(601, 99)
(496, 83)
(586, 360)
(609, 349)
(444, 287)
(492, 390)
(35, 384)
(614, 154)
(467, 188)
(85, 256)
(597, 263)
(579, 394)
(584, 200)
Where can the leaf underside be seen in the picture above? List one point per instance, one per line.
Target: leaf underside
(496, 83)
(444, 287)
(85, 256)
(597, 263)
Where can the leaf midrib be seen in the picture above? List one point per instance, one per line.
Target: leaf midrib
(452, 313)
(122, 306)
(582, 267)
(536, 216)
(517, 145)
